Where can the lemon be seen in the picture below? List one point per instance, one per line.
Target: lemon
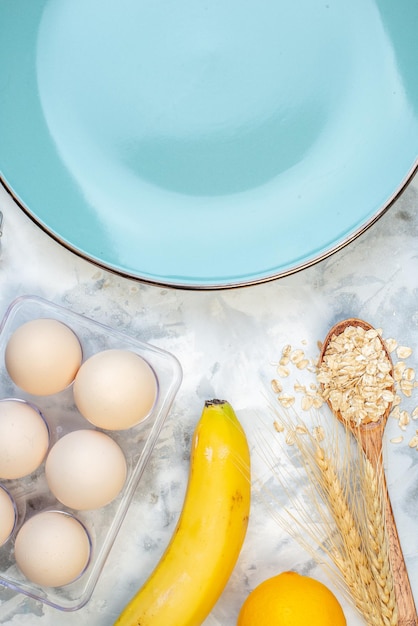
(290, 599)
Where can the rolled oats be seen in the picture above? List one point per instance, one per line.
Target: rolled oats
(278, 426)
(406, 387)
(276, 386)
(302, 364)
(355, 374)
(413, 443)
(398, 370)
(285, 358)
(391, 344)
(404, 420)
(296, 356)
(286, 400)
(403, 352)
(307, 402)
(408, 374)
(396, 439)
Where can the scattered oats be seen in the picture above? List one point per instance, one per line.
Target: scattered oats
(397, 439)
(406, 387)
(391, 344)
(299, 388)
(276, 386)
(396, 400)
(403, 352)
(290, 438)
(307, 403)
(278, 426)
(414, 442)
(302, 364)
(287, 349)
(398, 370)
(313, 387)
(404, 419)
(319, 433)
(286, 400)
(409, 374)
(318, 401)
(301, 430)
(283, 371)
(285, 355)
(414, 414)
(396, 413)
(296, 356)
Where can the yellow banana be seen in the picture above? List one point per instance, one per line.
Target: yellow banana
(194, 569)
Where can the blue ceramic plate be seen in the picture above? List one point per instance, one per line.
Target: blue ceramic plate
(207, 144)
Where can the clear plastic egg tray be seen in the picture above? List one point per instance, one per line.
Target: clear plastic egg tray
(31, 493)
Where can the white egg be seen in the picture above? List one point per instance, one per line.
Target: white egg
(85, 469)
(43, 356)
(8, 515)
(115, 389)
(52, 548)
(24, 438)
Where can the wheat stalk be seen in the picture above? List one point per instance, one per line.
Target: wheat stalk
(355, 538)
(378, 547)
(348, 555)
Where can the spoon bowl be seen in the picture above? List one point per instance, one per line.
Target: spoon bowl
(368, 432)
(370, 436)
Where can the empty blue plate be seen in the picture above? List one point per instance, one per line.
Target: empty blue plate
(207, 143)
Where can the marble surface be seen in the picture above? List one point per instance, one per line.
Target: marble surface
(227, 343)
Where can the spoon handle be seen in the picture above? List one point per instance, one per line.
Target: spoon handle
(407, 614)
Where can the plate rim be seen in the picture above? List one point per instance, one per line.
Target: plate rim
(194, 286)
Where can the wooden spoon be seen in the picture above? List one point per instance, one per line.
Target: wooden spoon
(370, 436)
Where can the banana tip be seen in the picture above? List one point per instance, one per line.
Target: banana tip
(215, 402)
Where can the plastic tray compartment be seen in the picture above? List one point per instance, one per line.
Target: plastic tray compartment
(31, 493)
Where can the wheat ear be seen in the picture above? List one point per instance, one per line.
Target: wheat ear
(349, 555)
(378, 548)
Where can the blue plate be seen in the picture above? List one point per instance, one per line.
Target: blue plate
(207, 144)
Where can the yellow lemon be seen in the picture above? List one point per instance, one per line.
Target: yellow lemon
(290, 599)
